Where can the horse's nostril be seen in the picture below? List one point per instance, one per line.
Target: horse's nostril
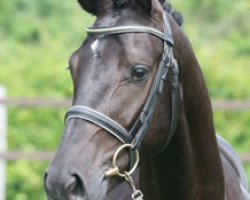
(45, 176)
(77, 188)
(66, 185)
(71, 184)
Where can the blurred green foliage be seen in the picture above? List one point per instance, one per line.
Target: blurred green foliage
(37, 38)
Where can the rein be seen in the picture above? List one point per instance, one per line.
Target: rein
(133, 138)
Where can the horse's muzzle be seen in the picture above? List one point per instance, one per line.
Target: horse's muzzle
(64, 186)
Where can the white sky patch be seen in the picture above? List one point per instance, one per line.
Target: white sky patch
(94, 46)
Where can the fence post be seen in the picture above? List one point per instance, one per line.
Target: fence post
(3, 143)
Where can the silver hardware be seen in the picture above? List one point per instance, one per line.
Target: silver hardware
(137, 194)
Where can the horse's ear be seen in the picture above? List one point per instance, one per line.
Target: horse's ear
(146, 5)
(93, 6)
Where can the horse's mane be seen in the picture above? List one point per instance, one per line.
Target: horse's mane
(165, 4)
(168, 8)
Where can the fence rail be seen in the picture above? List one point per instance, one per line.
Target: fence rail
(35, 102)
(43, 102)
(49, 155)
(57, 103)
(29, 156)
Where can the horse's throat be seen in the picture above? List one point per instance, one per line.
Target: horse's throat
(189, 168)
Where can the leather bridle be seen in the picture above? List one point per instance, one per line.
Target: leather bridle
(166, 65)
(133, 138)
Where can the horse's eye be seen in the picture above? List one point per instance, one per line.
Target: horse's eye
(139, 73)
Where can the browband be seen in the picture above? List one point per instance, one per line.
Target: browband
(130, 29)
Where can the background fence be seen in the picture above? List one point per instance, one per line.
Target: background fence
(57, 103)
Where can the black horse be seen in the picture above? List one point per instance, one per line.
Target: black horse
(121, 110)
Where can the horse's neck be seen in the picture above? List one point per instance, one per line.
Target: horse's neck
(185, 170)
(190, 167)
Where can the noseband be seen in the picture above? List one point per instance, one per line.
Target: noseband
(167, 64)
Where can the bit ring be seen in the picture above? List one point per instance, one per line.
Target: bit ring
(114, 161)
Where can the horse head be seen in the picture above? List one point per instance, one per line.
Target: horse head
(112, 76)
